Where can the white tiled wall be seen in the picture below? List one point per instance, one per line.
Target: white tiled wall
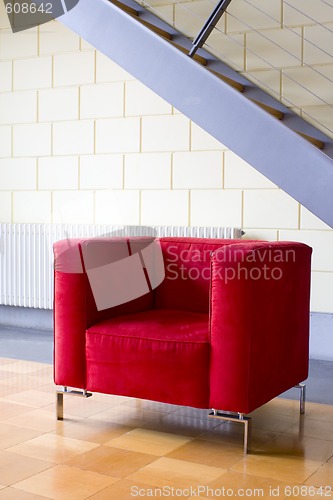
(18, 107)
(5, 141)
(147, 171)
(239, 174)
(270, 208)
(58, 172)
(141, 101)
(120, 206)
(165, 133)
(120, 135)
(282, 49)
(81, 141)
(108, 71)
(165, 207)
(18, 173)
(197, 170)
(216, 207)
(102, 100)
(73, 137)
(5, 206)
(316, 41)
(75, 68)
(32, 139)
(310, 221)
(31, 207)
(294, 15)
(254, 14)
(57, 40)
(5, 76)
(58, 104)
(32, 73)
(24, 44)
(202, 141)
(101, 171)
(71, 206)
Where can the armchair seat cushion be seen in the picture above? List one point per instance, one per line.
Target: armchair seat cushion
(156, 354)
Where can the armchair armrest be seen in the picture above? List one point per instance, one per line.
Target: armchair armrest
(69, 314)
(259, 322)
(75, 307)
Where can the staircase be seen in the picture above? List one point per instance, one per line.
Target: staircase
(281, 145)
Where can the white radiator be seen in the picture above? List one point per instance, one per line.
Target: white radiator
(26, 258)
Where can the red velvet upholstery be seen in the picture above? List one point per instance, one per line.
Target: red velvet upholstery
(227, 328)
(151, 352)
(187, 273)
(267, 334)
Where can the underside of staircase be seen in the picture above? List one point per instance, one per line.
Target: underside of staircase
(281, 145)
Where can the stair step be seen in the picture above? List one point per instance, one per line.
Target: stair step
(272, 111)
(279, 115)
(136, 14)
(229, 81)
(238, 86)
(125, 7)
(316, 142)
(201, 60)
(156, 29)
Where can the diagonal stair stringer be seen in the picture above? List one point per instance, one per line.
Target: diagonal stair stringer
(271, 146)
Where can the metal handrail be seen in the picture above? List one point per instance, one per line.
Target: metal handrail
(208, 45)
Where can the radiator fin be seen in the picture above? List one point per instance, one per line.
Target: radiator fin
(26, 258)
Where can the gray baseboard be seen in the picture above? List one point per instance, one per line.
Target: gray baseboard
(26, 317)
(321, 338)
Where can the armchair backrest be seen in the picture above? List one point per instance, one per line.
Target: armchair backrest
(187, 268)
(187, 264)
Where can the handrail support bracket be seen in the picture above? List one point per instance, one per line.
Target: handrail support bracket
(209, 25)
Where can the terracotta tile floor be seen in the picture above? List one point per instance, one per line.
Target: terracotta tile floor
(119, 448)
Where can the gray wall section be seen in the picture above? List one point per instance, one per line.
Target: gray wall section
(321, 337)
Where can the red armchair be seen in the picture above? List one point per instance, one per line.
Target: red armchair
(219, 324)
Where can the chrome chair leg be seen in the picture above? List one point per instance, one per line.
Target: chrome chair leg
(302, 388)
(247, 421)
(60, 399)
(239, 418)
(60, 405)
